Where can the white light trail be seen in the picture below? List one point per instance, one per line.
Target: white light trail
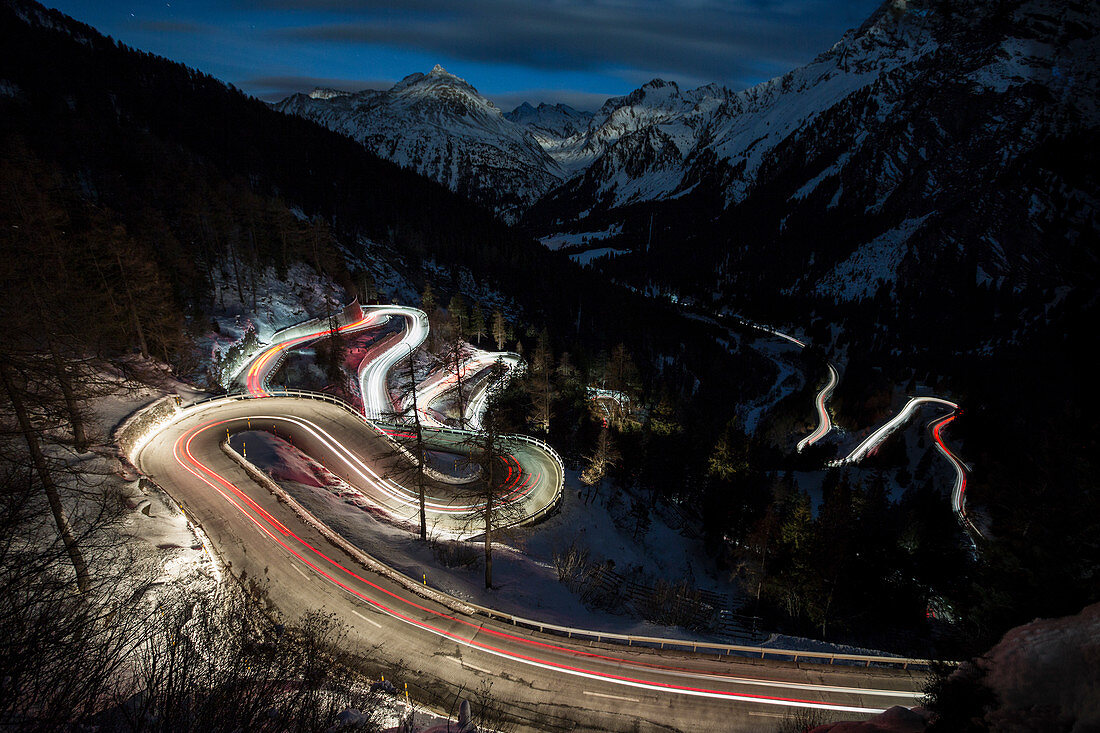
(824, 424)
(872, 440)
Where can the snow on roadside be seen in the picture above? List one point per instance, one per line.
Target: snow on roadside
(523, 568)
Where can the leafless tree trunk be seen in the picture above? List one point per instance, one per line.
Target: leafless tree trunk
(49, 486)
(488, 449)
(72, 408)
(134, 317)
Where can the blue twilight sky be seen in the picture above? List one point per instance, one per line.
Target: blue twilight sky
(575, 51)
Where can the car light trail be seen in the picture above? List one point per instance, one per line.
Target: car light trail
(872, 441)
(518, 483)
(341, 576)
(958, 491)
(258, 371)
(824, 424)
(523, 481)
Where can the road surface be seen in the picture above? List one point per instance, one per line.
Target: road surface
(824, 423)
(550, 680)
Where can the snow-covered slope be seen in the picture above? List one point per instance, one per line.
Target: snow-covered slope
(877, 66)
(659, 110)
(550, 122)
(440, 126)
(932, 124)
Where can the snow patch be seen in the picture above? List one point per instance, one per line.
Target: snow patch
(872, 264)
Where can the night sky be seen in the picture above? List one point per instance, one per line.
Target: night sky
(575, 51)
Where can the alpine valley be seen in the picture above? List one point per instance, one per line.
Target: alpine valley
(897, 158)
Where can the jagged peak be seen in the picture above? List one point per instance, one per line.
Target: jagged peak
(439, 72)
(408, 81)
(438, 75)
(327, 93)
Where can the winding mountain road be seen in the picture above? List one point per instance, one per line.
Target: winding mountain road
(824, 423)
(550, 678)
(575, 681)
(872, 441)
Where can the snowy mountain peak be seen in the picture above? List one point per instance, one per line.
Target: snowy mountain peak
(325, 93)
(407, 81)
(442, 127)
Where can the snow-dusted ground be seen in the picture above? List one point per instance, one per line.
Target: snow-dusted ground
(573, 239)
(790, 378)
(586, 257)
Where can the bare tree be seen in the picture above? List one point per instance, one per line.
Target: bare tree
(488, 449)
(605, 456)
(45, 476)
(63, 650)
(221, 664)
(539, 385)
(411, 452)
(452, 360)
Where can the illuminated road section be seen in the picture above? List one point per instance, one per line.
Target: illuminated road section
(258, 372)
(958, 491)
(193, 468)
(374, 373)
(872, 441)
(824, 424)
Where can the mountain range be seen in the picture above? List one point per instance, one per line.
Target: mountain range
(935, 125)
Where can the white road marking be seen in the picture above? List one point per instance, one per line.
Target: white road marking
(768, 715)
(299, 571)
(369, 621)
(612, 697)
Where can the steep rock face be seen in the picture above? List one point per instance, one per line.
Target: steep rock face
(659, 107)
(550, 122)
(936, 125)
(440, 126)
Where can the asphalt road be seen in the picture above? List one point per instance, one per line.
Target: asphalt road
(549, 681)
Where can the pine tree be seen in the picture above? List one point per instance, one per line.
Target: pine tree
(539, 385)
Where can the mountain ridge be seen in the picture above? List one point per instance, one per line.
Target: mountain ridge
(440, 126)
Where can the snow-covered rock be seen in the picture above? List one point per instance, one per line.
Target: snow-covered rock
(964, 118)
(1047, 672)
(439, 125)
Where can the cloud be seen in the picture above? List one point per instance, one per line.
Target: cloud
(275, 88)
(717, 41)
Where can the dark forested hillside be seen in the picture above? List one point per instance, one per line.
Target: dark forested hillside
(149, 180)
(197, 171)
